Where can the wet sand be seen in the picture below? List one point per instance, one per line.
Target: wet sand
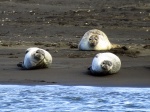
(58, 26)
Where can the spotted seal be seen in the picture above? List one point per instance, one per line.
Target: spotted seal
(105, 63)
(36, 58)
(95, 40)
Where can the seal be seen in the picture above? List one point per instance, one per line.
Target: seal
(36, 58)
(95, 40)
(105, 64)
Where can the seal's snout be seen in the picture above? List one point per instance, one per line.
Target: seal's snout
(106, 65)
(93, 40)
(39, 54)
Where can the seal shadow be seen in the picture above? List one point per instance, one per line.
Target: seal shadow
(19, 65)
(88, 72)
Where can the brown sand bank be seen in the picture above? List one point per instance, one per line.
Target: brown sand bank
(58, 26)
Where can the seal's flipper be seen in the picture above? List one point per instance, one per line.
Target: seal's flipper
(20, 64)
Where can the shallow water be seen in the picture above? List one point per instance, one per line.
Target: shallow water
(56, 98)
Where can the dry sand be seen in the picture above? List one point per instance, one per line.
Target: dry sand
(58, 26)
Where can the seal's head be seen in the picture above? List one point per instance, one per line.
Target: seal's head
(39, 55)
(106, 65)
(93, 40)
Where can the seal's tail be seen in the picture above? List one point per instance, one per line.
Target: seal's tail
(115, 46)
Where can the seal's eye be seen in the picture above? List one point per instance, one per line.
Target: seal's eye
(37, 51)
(26, 52)
(103, 63)
(96, 56)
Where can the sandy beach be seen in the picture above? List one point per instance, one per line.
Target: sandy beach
(58, 26)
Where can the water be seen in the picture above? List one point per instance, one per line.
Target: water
(56, 98)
